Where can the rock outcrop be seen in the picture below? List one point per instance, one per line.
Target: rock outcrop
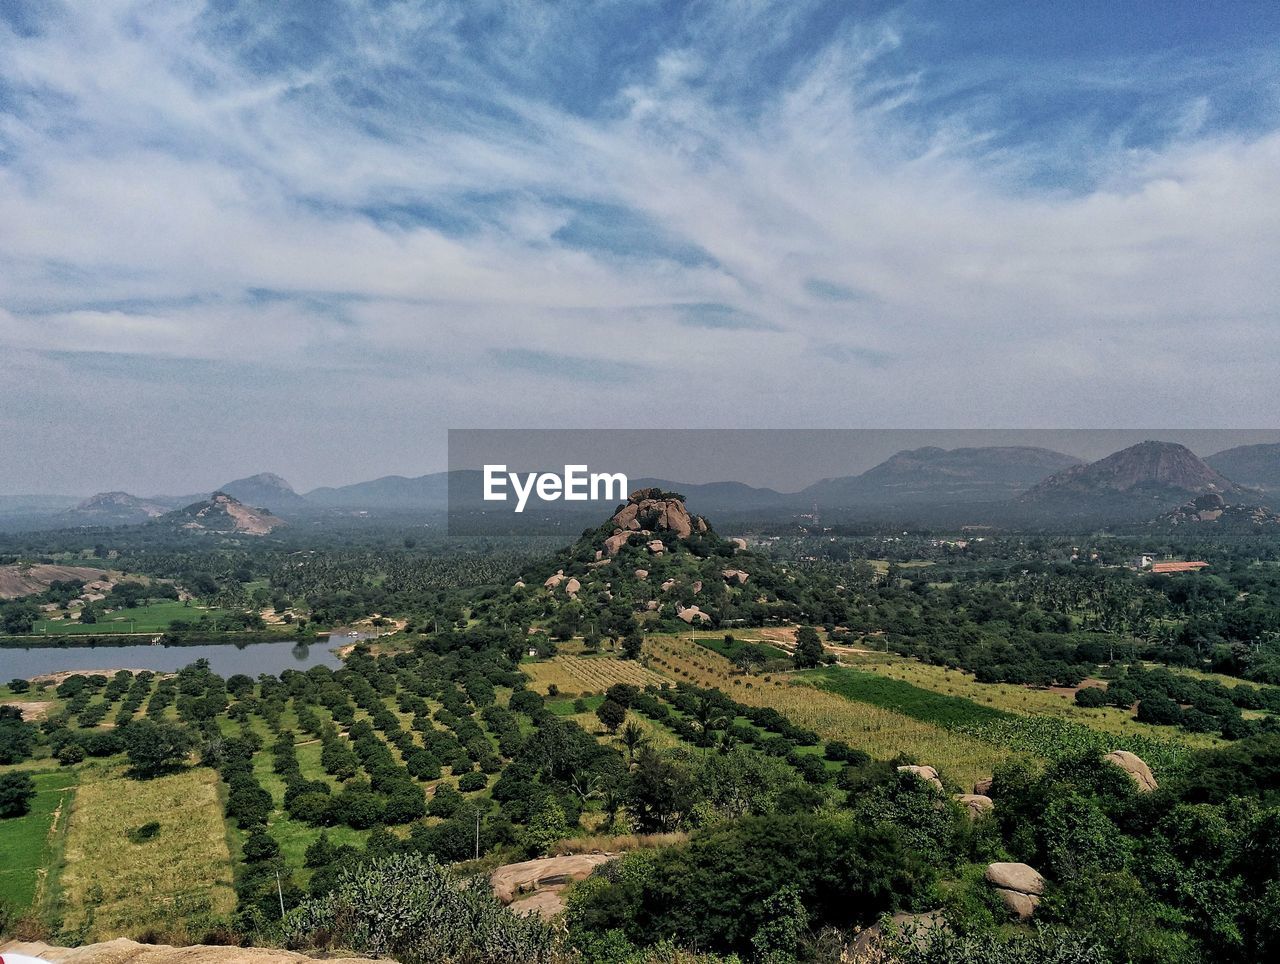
(691, 614)
(652, 512)
(976, 803)
(1133, 765)
(544, 878)
(983, 787)
(731, 575)
(1019, 887)
(925, 773)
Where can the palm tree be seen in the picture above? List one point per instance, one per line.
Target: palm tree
(633, 739)
(709, 717)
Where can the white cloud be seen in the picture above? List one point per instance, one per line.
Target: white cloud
(153, 188)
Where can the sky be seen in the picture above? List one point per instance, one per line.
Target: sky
(311, 237)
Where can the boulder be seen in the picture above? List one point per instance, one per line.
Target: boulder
(731, 575)
(1023, 878)
(739, 544)
(983, 787)
(642, 574)
(976, 803)
(545, 903)
(926, 773)
(511, 880)
(1133, 765)
(657, 511)
(553, 581)
(1020, 905)
(692, 613)
(615, 542)
(651, 605)
(656, 547)
(667, 586)
(519, 584)
(572, 587)
(697, 586)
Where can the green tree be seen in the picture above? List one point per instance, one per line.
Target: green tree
(156, 748)
(611, 714)
(17, 790)
(809, 651)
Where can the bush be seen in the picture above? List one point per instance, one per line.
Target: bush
(414, 909)
(470, 782)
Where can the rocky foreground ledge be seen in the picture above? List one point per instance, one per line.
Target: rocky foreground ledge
(124, 951)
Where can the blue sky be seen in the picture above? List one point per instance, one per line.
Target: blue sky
(311, 236)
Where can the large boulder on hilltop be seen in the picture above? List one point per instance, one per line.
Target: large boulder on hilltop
(1134, 765)
(511, 880)
(652, 510)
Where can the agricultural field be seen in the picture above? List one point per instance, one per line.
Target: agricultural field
(1057, 702)
(29, 845)
(578, 675)
(154, 617)
(883, 733)
(174, 879)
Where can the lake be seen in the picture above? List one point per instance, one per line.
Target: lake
(225, 659)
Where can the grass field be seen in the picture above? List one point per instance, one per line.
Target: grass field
(171, 883)
(578, 675)
(883, 733)
(1022, 700)
(152, 618)
(28, 845)
(1035, 734)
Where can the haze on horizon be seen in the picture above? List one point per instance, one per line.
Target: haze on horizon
(311, 237)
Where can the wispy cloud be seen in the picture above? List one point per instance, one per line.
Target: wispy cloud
(676, 203)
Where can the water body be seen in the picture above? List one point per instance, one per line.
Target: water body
(224, 659)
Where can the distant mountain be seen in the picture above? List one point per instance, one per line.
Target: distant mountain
(222, 513)
(1213, 511)
(265, 489)
(1253, 465)
(933, 475)
(391, 492)
(718, 497)
(1138, 482)
(116, 508)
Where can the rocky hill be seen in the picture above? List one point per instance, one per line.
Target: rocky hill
(655, 561)
(1253, 465)
(222, 513)
(934, 475)
(265, 489)
(1141, 481)
(117, 508)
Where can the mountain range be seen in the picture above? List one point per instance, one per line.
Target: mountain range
(1018, 484)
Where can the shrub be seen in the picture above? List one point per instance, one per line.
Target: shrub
(414, 909)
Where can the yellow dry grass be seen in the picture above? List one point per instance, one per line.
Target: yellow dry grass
(880, 732)
(583, 675)
(177, 880)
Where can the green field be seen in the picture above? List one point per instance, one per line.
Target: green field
(1043, 736)
(153, 618)
(28, 844)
